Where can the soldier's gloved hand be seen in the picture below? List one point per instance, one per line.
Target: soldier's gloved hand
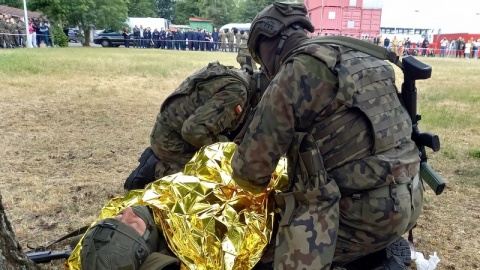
(144, 173)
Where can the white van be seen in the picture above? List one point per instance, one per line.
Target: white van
(238, 26)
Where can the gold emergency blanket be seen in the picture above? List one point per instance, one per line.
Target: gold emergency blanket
(208, 222)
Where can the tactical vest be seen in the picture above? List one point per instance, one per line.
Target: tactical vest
(214, 70)
(366, 85)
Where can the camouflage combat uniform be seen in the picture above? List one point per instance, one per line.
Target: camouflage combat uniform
(223, 40)
(238, 40)
(353, 169)
(230, 37)
(208, 104)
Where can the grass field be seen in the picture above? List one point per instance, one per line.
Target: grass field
(73, 122)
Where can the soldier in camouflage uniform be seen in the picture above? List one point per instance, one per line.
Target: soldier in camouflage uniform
(230, 38)
(209, 106)
(238, 40)
(22, 38)
(223, 41)
(335, 113)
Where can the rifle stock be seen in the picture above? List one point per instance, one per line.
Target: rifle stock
(415, 70)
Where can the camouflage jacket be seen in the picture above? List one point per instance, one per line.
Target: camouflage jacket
(306, 95)
(209, 103)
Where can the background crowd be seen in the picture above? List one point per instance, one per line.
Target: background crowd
(13, 32)
(196, 39)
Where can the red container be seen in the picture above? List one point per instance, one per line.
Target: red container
(332, 18)
(339, 18)
(333, 3)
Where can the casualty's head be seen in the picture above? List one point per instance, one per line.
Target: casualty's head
(272, 27)
(123, 242)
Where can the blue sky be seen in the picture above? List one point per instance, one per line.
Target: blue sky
(448, 15)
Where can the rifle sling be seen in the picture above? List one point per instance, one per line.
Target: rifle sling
(73, 233)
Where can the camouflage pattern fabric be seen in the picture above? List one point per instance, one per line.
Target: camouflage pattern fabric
(368, 198)
(207, 105)
(238, 40)
(242, 55)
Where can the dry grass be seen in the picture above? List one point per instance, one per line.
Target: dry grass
(73, 122)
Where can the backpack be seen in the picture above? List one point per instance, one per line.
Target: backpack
(213, 70)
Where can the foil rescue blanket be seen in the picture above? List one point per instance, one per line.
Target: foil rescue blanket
(208, 222)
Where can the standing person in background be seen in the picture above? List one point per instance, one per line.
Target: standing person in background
(195, 39)
(126, 37)
(136, 37)
(156, 38)
(176, 39)
(142, 40)
(376, 40)
(45, 30)
(190, 39)
(215, 37)
(163, 38)
(22, 35)
(395, 45)
(476, 47)
(443, 46)
(401, 47)
(468, 48)
(223, 39)
(201, 39)
(183, 38)
(231, 39)
(386, 43)
(148, 38)
(238, 40)
(425, 44)
(169, 40)
(208, 41)
(31, 31)
(407, 46)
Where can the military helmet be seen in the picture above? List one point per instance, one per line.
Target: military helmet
(273, 19)
(112, 244)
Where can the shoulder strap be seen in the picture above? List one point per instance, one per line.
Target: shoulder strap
(359, 45)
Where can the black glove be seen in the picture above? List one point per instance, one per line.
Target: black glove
(144, 173)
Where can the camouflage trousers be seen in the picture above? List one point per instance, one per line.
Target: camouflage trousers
(172, 150)
(326, 230)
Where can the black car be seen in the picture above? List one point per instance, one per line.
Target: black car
(109, 38)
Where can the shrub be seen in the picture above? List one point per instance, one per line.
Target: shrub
(59, 37)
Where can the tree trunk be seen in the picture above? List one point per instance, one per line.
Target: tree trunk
(86, 32)
(11, 256)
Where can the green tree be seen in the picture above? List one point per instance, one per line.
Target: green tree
(184, 9)
(102, 14)
(12, 3)
(165, 9)
(247, 9)
(142, 8)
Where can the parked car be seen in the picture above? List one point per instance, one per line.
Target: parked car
(109, 38)
(73, 36)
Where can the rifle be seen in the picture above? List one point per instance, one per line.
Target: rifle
(415, 70)
(47, 256)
